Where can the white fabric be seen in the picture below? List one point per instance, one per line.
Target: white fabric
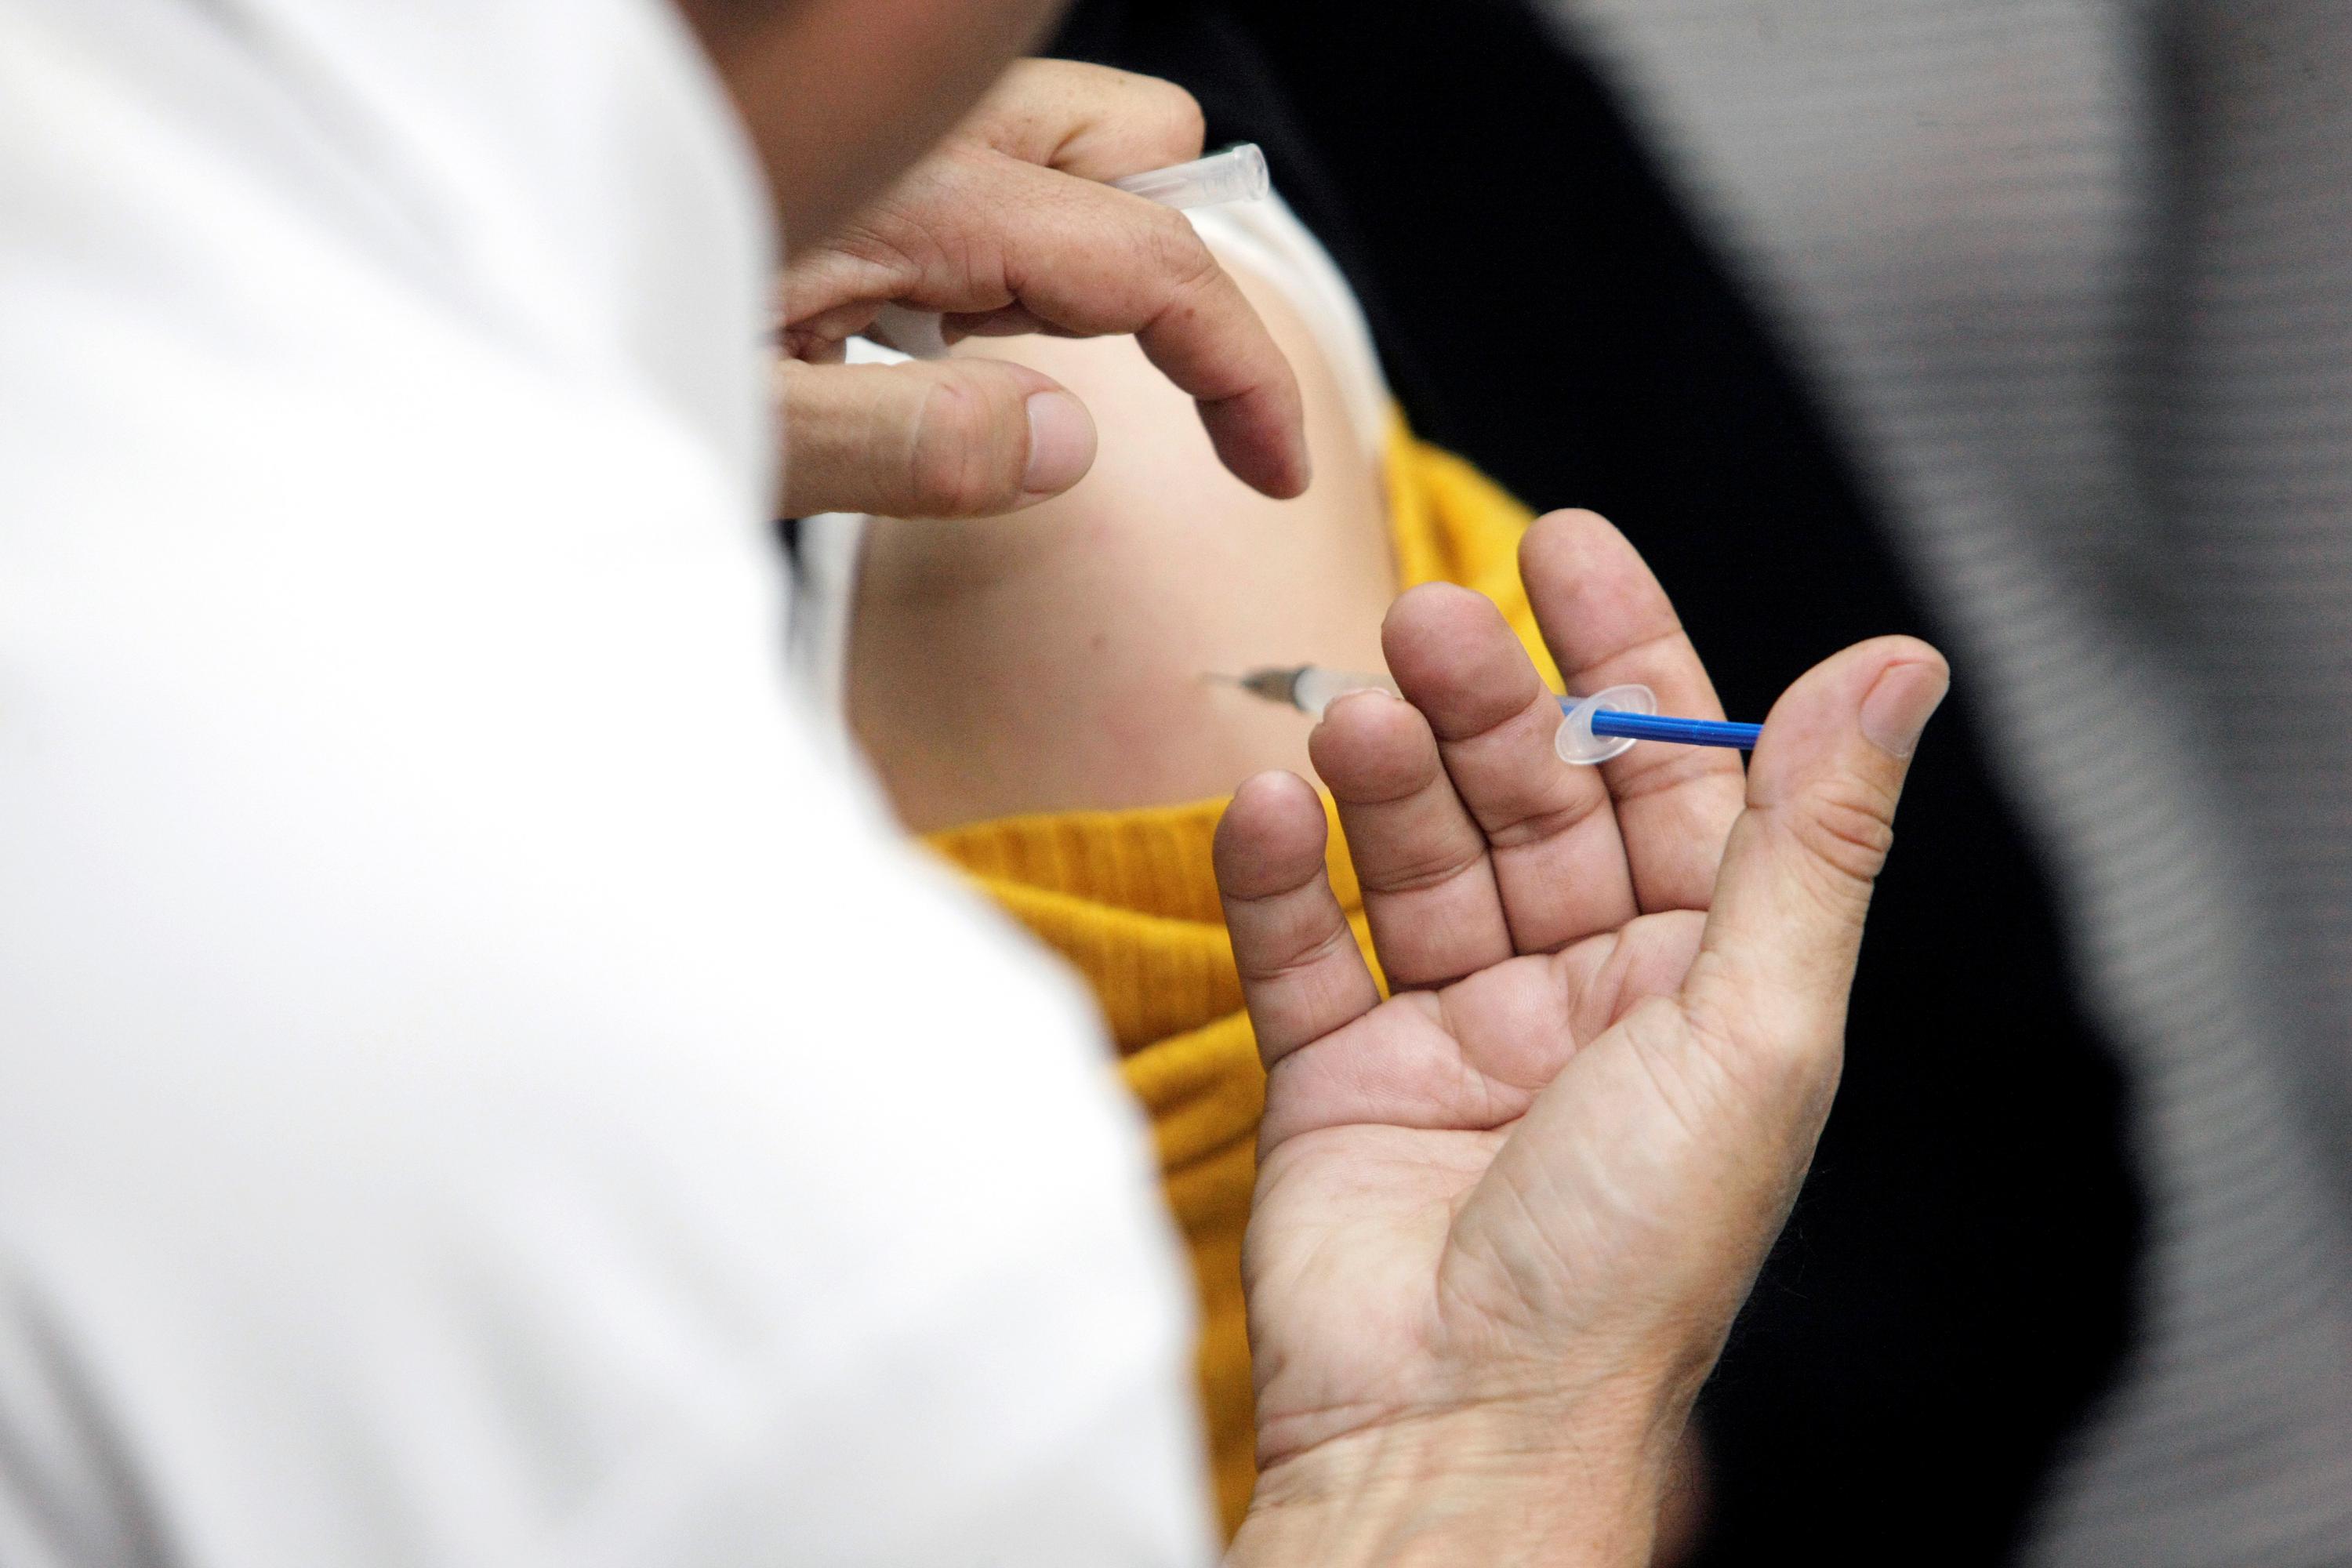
(473, 1086)
(1262, 237)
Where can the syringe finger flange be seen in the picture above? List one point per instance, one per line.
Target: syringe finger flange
(1575, 740)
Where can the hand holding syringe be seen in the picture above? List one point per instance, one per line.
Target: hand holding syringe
(1004, 243)
(1236, 174)
(1591, 728)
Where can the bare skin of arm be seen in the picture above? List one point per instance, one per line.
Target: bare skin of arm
(1053, 660)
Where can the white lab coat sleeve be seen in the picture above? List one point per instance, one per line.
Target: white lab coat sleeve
(475, 1087)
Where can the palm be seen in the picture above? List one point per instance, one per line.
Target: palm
(1566, 1140)
(1390, 1212)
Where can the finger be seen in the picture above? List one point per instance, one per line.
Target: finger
(1012, 322)
(937, 439)
(1607, 622)
(1302, 973)
(1558, 868)
(972, 233)
(1090, 120)
(1429, 891)
(1777, 955)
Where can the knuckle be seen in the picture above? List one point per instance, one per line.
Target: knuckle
(1418, 868)
(1295, 941)
(1176, 250)
(1849, 827)
(959, 463)
(1512, 823)
(1176, 117)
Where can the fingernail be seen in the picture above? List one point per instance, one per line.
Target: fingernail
(1352, 693)
(1900, 705)
(1061, 443)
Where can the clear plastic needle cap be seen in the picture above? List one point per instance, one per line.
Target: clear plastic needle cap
(1575, 740)
(1236, 174)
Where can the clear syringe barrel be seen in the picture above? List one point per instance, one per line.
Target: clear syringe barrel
(1314, 689)
(1236, 174)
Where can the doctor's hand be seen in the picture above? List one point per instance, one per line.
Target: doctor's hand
(1504, 1218)
(1010, 227)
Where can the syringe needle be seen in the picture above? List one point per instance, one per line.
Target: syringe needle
(1274, 685)
(1309, 688)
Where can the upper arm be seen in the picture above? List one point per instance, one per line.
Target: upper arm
(1079, 630)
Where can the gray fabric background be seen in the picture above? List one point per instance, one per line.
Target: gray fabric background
(2075, 277)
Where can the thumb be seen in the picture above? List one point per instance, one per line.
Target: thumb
(1777, 955)
(960, 437)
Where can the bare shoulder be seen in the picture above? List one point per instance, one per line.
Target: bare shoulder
(1053, 660)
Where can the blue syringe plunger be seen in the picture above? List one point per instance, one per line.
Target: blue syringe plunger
(1591, 728)
(1606, 724)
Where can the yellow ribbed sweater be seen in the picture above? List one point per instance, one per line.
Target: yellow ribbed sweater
(1129, 897)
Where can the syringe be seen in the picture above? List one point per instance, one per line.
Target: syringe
(1236, 174)
(1606, 724)
(1591, 728)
